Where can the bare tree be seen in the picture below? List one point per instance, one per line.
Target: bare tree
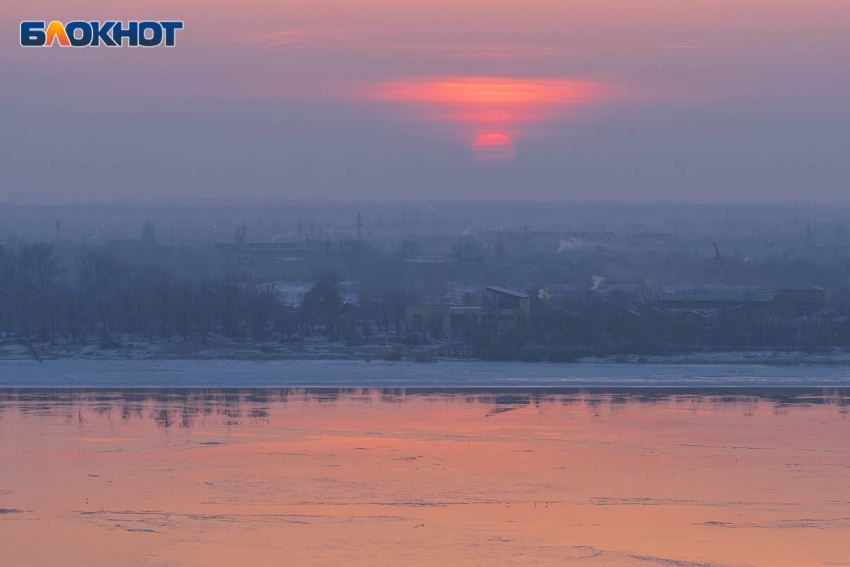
(499, 251)
(354, 251)
(649, 291)
(468, 252)
(241, 235)
(149, 233)
(102, 278)
(324, 301)
(409, 248)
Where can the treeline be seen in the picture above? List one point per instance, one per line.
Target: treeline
(596, 327)
(103, 296)
(99, 295)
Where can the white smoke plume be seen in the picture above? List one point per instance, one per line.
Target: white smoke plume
(571, 244)
(597, 281)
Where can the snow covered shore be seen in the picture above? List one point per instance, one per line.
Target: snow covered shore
(385, 374)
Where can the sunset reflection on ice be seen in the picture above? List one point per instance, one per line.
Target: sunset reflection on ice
(394, 477)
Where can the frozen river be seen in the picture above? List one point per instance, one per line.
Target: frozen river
(420, 477)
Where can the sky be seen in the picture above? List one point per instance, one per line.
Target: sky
(628, 100)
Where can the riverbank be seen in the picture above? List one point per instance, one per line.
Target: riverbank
(320, 349)
(77, 373)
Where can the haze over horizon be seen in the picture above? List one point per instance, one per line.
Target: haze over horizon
(471, 100)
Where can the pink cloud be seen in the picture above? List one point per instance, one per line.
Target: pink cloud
(306, 34)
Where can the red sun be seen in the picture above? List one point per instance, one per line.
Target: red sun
(493, 148)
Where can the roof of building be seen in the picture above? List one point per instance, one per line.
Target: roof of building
(692, 313)
(560, 308)
(697, 296)
(506, 291)
(802, 287)
(428, 259)
(257, 246)
(449, 308)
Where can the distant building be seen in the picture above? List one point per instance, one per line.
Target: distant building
(742, 314)
(437, 319)
(260, 258)
(428, 259)
(803, 300)
(260, 250)
(691, 319)
(509, 300)
(742, 303)
(503, 308)
(802, 295)
(125, 243)
(696, 299)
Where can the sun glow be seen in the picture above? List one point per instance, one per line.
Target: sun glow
(493, 148)
(488, 90)
(489, 100)
(491, 106)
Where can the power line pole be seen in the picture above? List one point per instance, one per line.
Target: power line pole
(359, 225)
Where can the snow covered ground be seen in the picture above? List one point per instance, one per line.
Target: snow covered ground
(384, 374)
(832, 357)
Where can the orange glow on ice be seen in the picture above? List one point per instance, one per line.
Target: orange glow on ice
(380, 478)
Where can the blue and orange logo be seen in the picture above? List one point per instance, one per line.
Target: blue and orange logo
(147, 33)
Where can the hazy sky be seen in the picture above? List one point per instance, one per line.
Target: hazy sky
(692, 100)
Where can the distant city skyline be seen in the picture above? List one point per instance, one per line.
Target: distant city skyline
(703, 101)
